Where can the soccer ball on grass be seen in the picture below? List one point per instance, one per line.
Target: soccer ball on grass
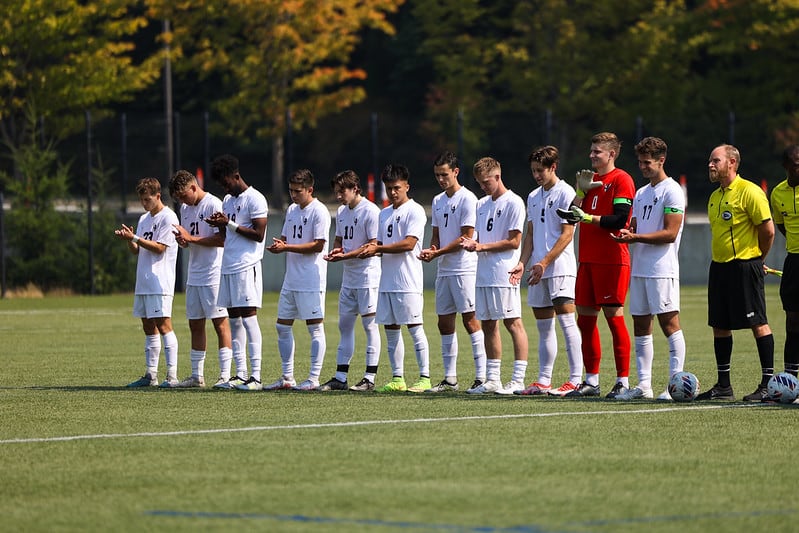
(783, 387)
(683, 387)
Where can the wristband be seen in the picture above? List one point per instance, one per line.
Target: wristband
(580, 193)
(232, 225)
(588, 218)
(135, 239)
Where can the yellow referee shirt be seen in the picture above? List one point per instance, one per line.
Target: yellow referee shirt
(784, 201)
(734, 214)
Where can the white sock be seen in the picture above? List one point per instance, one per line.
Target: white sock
(254, 343)
(592, 379)
(421, 348)
(644, 354)
(493, 367)
(676, 352)
(479, 354)
(373, 342)
(346, 344)
(197, 363)
(396, 351)
(519, 371)
(152, 353)
(574, 350)
(547, 349)
(318, 347)
(285, 345)
(225, 358)
(239, 335)
(449, 354)
(171, 354)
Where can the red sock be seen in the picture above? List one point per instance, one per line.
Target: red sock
(621, 345)
(592, 349)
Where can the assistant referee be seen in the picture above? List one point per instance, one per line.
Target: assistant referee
(742, 235)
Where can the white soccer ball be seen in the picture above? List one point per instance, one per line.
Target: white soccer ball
(783, 387)
(683, 387)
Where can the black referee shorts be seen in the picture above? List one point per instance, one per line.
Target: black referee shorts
(735, 295)
(789, 284)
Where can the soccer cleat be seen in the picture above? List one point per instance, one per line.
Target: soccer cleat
(510, 388)
(308, 384)
(249, 385)
(444, 386)
(490, 385)
(363, 386)
(665, 396)
(584, 390)
(717, 393)
(534, 389)
(636, 393)
(229, 384)
(760, 395)
(397, 384)
(421, 385)
(333, 384)
(147, 380)
(283, 382)
(475, 384)
(563, 390)
(617, 389)
(191, 382)
(169, 383)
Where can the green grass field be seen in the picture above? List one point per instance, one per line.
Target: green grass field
(80, 452)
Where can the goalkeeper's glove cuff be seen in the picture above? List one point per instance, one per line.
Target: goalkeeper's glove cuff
(588, 218)
(580, 193)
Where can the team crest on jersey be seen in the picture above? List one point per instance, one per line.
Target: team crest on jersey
(304, 220)
(550, 204)
(655, 201)
(499, 213)
(398, 219)
(355, 222)
(726, 215)
(452, 208)
(606, 188)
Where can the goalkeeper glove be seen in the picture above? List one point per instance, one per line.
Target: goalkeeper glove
(585, 182)
(574, 215)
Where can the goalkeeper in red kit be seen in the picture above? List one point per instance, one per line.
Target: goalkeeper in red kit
(603, 275)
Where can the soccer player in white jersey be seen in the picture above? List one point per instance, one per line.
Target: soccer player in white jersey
(454, 213)
(656, 228)
(242, 221)
(205, 244)
(548, 254)
(154, 244)
(356, 225)
(400, 298)
(303, 239)
(500, 223)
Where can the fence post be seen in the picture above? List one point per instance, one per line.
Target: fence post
(90, 214)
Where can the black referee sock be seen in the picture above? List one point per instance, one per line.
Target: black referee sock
(765, 350)
(723, 349)
(791, 354)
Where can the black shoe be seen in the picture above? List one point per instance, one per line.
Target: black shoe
(333, 384)
(717, 393)
(363, 386)
(475, 384)
(584, 391)
(760, 395)
(617, 389)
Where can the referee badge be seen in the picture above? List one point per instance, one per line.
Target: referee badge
(726, 215)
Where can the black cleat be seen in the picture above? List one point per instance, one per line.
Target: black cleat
(363, 386)
(617, 389)
(584, 390)
(333, 384)
(760, 395)
(717, 393)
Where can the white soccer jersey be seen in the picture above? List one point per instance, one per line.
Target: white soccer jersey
(306, 272)
(204, 261)
(548, 226)
(402, 272)
(650, 205)
(494, 220)
(155, 273)
(240, 252)
(449, 216)
(356, 227)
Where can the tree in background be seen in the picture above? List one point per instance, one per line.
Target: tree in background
(274, 58)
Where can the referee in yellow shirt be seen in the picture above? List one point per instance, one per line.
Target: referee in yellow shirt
(742, 233)
(785, 209)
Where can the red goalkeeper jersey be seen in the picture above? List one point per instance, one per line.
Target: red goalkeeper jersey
(596, 245)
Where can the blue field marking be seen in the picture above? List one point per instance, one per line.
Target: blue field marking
(351, 522)
(359, 423)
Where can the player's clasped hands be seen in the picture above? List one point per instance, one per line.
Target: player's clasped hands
(217, 220)
(368, 250)
(469, 244)
(428, 254)
(624, 235)
(336, 254)
(277, 246)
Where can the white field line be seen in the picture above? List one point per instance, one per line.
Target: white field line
(362, 423)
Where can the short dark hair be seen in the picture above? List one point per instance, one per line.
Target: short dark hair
(447, 158)
(346, 179)
(223, 166)
(652, 146)
(395, 172)
(180, 181)
(545, 155)
(149, 186)
(302, 177)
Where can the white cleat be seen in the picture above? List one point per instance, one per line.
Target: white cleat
(284, 382)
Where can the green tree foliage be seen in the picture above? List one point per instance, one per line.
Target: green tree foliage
(63, 57)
